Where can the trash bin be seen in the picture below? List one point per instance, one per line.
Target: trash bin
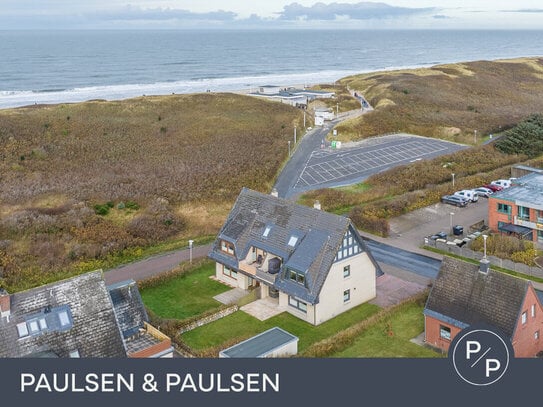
(458, 230)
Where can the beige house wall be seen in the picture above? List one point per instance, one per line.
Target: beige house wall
(361, 284)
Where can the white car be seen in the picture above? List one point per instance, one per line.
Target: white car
(484, 192)
(504, 183)
(469, 194)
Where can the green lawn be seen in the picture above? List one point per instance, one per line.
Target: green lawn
(186, 295)
(390, 338)
(241, 325)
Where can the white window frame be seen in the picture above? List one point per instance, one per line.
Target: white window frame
(523, 317)
(442, 330)
(532, 310)
(22, 330)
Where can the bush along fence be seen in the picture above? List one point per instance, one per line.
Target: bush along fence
(496, 261)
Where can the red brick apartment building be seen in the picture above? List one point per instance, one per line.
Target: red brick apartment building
(466, 294)
(518, 210)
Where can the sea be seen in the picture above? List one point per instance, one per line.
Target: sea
(42, 67)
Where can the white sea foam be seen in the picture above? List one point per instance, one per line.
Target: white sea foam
(9, 99)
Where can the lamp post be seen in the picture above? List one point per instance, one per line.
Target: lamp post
(475, 136)
(452, 214)
(453, 178)
(190, 250)
(294, 134)
(484, 245)
(337, 110)
(289, 148)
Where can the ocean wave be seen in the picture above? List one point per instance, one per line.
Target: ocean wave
(17, 98)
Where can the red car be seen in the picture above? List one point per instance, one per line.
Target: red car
(494, 188)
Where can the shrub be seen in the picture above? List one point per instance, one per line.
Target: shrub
(101, 210)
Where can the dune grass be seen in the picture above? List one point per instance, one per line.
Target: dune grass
(448, 101)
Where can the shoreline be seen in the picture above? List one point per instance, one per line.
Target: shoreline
(242, 86)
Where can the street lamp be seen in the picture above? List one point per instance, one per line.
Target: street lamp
(453, 178)
(289, 148)
(475, 136)
(452, 214)
(190, 250)
(484, 238)
(294, 134)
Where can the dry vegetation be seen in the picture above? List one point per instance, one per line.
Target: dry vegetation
(84, 182)
(448, 101)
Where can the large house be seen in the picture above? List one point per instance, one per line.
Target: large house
(79, 317)
(466, 294)
(518, 210)
(315, 264)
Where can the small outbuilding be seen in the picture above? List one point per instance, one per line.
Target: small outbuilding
(273, 343)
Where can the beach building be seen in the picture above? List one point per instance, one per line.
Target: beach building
(518, 210)
(291, 96)
(311, 263)
(323, 114)
(79, 317)
(466, 294)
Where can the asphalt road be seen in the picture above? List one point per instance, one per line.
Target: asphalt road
(140, 270)
(415, 263)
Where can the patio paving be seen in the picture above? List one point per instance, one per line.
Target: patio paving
(231, 296)
(393, 290)
(263, 309)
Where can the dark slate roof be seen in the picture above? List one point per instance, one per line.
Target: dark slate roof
(128, 305)
(261, 344)
(92, 331)
(463, 294)
(319, 236)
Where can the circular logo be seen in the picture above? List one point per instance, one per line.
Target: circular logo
(480, 356)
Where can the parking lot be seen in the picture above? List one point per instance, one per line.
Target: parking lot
(357, 161)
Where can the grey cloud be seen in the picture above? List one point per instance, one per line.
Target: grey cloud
(524, 10)
(157, 14)
(358, 11)
(440, 17)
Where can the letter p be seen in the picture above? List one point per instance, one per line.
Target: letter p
(472, 347)
(27, 379)
(492, 365)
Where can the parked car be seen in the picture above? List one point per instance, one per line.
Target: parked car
(494, 188)
(484, 192)
(439, 235)
(454, 200)
(504, 183)
(469, 194)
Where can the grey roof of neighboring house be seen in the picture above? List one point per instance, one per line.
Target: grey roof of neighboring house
(84, 301)
(128, 305)
(526, 191)
(462, 294)
(319, 236)
(261, 344)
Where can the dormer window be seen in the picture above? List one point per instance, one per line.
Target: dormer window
(227, 247)
(296, 276)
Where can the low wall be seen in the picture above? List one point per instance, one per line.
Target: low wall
(209, 318)
(496, 261)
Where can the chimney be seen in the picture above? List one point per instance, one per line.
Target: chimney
(484, 265)
(317, 205)
(274, 193)
(5, 304)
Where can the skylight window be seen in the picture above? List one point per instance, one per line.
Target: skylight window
(64, 318)
(292, 241)
(22, 329)
(267, 231)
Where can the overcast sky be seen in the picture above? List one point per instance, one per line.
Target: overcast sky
(175, 14)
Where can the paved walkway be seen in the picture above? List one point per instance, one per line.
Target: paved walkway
(393, 290)
(263, 309)
(152, 266)
(231, 296)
